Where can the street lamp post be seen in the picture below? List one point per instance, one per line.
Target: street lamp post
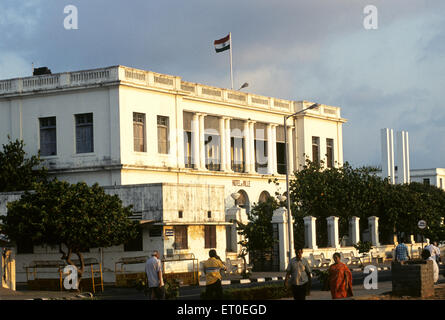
(289, 215)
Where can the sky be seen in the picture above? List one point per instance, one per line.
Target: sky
(315, 50)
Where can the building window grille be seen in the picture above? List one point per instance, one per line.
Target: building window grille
(163, 128)
(84, 133)
(139, 132)
(48, 136)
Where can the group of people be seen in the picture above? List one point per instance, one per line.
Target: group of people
(212, 270)
(298, 273)
(430, 252)
(299, 277)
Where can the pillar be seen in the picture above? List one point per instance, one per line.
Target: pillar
(247, 146)
(355, 230)
(333, 232)
(402, 157)
(274, 149)
(222, 143)
(411, 239)
(233, 215)
(7, 269)
(202, 154)
(309, 232)
(290, 159)
(195, 141)
(252, 146)
(280, 218)
(227, 141)
(374, 230)
(269, 150)
(387, 137)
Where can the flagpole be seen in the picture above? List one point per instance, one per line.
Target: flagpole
(231, 70)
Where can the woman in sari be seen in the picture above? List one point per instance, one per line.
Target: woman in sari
(340, 279)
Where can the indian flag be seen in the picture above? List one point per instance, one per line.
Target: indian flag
(222, 44)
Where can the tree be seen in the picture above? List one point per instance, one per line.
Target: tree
(18, 173)
(258, 232)
(343, 192)
(74, 217)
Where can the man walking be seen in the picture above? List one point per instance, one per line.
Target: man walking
(212, 269)
(299, 272)
(401, 253)
(434, 251)
(153, 270)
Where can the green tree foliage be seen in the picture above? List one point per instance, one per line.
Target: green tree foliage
(18, 173)
(345, 192)
(74, 217)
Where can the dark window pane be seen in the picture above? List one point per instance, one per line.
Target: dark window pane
(210, 237)
(163, 145)
(84, 133)
(135, 244)
(48, 137)
(139, 132)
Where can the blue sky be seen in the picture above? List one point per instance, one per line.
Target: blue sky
(315, 50)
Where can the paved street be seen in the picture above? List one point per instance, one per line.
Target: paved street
(193, 292)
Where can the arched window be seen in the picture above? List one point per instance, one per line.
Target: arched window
(264, 196)
(243, 200)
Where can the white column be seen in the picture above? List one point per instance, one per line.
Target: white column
(269, 149)
(222, 143)
(233, 215)
(228, 146)
(252, 146)
(374, 230)
(202, 156)
(411, 239)
(355, 230)
(402, 157)
(310, 232)
(195, 141)
(387, 137)
(280, 217)
(274, 149)
(333, 232)
(247, 145)
(291, 150)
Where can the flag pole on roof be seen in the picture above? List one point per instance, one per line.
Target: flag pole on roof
(224, 44)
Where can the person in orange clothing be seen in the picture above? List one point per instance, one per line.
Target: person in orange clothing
(340, 279)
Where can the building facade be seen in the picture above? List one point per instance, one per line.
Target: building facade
(120, 126)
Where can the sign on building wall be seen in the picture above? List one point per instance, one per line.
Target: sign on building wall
(169, 232)
(240, 183)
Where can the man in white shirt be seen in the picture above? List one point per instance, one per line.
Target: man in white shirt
(153, 269)
(299, 273)
(434, 251)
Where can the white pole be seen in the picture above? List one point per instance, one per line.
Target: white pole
(231, 71)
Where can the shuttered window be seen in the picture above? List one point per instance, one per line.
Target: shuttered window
(187, 127)
(163, 145)
(210, 237)
(139, 132)
(48, 137)
(180, 237)
(84, 133)
(330, 153)
(316, 150)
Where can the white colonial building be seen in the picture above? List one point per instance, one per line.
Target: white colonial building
(120, 126)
